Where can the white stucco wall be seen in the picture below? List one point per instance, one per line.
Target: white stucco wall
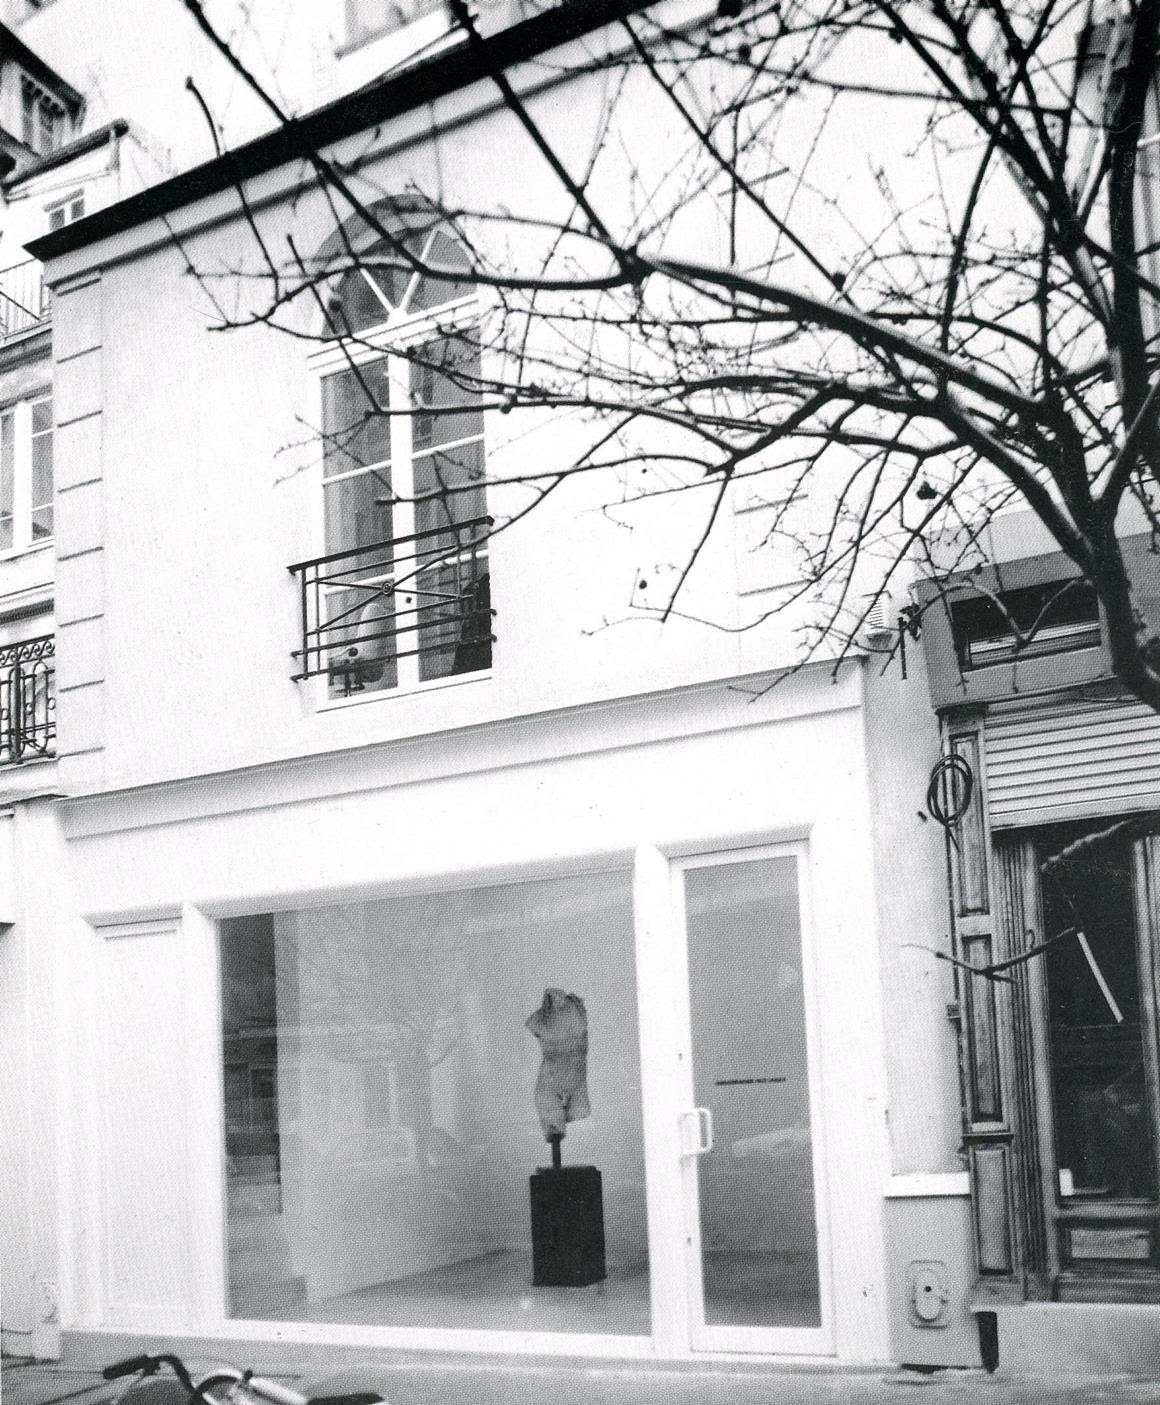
(190, 480)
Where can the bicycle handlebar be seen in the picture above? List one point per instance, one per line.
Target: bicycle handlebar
(130, 1367)
(146, 1365)
(270, 1391)
(273, 1392)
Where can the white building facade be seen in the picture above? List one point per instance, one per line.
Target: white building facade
(303, 908)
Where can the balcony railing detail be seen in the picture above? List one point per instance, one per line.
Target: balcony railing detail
(24, 298)
(416, 607)
(27, 700)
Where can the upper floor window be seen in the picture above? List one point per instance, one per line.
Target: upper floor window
(367, 19)
(43, 119)
(63, 212)
(26, 474)
(1025, 623)
(402, 595)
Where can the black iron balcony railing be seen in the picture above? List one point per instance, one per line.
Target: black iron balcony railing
(27, 700)
(25, 300)
(407, 610)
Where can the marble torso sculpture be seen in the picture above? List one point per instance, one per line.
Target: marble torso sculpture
(561, 1026)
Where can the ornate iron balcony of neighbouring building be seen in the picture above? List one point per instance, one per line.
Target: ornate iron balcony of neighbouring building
(24, 299)
(27, 700)
(399, 612)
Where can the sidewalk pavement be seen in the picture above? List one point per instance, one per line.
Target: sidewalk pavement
(473, 1381)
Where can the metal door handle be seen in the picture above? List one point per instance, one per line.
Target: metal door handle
(697, 1132)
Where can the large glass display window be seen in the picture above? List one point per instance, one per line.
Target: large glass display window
(396, 1071)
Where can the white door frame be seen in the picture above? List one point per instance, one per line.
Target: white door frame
(678, 1312)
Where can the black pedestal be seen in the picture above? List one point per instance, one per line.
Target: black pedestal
(567, 1227)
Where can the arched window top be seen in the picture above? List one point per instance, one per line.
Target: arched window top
(420, 265)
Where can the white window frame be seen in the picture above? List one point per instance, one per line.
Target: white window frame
(22, 505)
(383, 342)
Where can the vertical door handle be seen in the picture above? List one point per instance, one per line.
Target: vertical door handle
(696, 1132)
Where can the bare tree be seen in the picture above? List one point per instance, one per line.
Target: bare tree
(926, 299)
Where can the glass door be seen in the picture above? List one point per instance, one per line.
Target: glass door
(749, 1144)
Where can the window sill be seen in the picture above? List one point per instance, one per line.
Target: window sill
(412, 690)
(17, 553)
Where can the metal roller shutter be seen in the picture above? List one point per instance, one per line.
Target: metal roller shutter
(1071, 759)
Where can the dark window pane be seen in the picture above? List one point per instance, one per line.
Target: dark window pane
(449, 490)
(1102, 1123)
(357, 305)
(354, 433)
(445, 385)
(454, 617)
(444, 253)
(358, 513)
(1025, 623)
(383, 271)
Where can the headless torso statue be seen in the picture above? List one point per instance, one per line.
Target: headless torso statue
(567, 1203)
(561, 1026)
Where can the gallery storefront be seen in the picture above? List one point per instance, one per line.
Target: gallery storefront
(303, 1100)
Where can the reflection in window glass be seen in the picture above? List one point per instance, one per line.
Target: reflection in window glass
(380, 1122)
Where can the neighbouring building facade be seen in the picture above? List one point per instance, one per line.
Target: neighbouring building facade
(339, 785)
(1052, 870)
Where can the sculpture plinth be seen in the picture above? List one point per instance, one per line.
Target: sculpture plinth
(567, 1226)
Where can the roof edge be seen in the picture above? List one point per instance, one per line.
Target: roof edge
(367, 107)
(118, 127)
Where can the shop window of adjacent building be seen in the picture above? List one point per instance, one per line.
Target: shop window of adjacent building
(1099, 1054)
(26, 474)
(43, 119)
(63, 212)
(402, 595)
(382, 1118)
(1103, 1121)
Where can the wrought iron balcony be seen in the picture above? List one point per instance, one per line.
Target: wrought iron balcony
(27, 700)
(402, 611)
(24, 299)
